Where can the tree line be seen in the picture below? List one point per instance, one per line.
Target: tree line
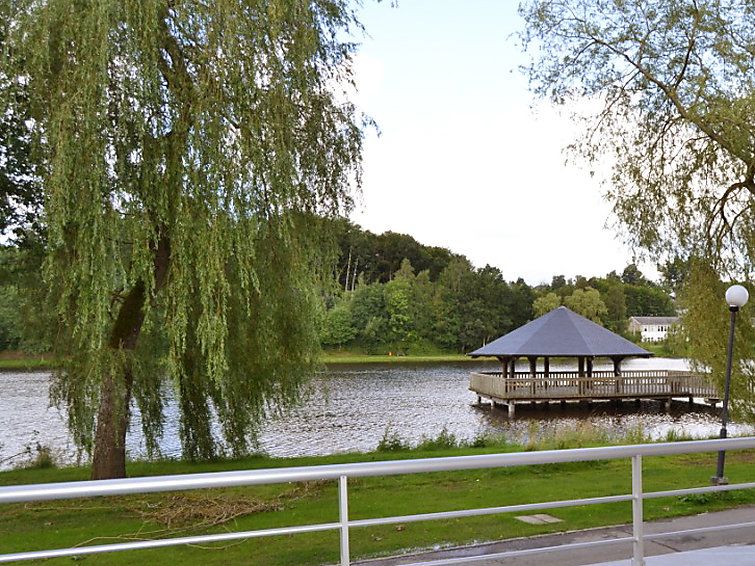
(392, 294)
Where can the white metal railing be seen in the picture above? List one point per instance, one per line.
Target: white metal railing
(342, 472)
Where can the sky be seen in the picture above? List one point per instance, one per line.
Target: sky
(466, 158)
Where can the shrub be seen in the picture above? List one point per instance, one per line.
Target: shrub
(391, 442)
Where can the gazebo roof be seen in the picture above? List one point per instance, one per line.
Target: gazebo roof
(561, 332)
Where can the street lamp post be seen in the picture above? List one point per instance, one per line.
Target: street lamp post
(736, 297)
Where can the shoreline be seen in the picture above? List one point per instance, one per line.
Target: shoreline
(16, 361)
(32, 364)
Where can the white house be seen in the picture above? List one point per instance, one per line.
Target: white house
(652, 328)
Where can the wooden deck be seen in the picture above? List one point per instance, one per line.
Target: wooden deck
(570, 386)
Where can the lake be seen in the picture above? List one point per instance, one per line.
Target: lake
(351, 407)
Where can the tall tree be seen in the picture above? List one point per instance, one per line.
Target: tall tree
(546, 303)
(186, 146)
(704, 332)
(588, 303)
(673, 83)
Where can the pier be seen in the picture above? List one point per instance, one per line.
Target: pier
(561, 334)
(523, 387)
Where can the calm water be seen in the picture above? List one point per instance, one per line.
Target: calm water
(351, 408)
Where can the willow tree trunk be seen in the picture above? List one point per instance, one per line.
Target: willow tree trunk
(113, 414)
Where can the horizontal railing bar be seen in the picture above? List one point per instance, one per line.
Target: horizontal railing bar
(488, 511)
(158, 543)
(693, 490)
(523, 552)
(67, 490)
(710, 529)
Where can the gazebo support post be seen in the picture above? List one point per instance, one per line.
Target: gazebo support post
(504, 372)
(533, 373)
(581, 373)
(504, 366)
(617, 372)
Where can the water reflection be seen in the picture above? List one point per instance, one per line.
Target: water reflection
(350, 408)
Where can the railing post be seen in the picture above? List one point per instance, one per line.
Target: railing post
(638, 555)
(343, 517)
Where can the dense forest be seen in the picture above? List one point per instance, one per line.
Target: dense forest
(390, 293)
(393, 294)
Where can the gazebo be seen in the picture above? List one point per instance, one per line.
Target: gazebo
(563, 333)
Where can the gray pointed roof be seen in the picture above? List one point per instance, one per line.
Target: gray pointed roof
(561, 332)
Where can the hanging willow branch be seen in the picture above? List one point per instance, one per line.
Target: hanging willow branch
(188, 146)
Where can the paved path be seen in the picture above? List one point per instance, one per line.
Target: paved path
(731, 547)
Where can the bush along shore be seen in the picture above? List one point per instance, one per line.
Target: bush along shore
(102, 520)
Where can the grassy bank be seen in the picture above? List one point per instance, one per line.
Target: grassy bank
(352, 358)
(12, 360)
(116, 519)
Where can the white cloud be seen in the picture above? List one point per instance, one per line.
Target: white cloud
(462, 161)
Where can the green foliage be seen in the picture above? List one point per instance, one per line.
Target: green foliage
(398, 304)
(587, 302)
(614, 298)
(443, 441)
(186, 149)
(391, 442)
(648, 300)
(20, 193)
(675, 272)
(338, 328)
(705, 332)
(377, 258)
(546, 303)
(25, 321)
(467, 307)
(11, 321)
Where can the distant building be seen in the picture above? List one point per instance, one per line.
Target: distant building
(652, 328)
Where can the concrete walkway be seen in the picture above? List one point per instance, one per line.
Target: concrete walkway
(730, 547)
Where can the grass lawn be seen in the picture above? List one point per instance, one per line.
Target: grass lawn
(10, 361)
(349, 358)
(58, 524)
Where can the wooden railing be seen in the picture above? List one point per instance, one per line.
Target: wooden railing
(601, 385)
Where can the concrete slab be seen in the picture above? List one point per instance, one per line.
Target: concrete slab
(538, 519)
(545, 518)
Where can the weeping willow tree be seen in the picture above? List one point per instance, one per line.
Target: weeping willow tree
(705, 335)
(188, 147)
(665, 92)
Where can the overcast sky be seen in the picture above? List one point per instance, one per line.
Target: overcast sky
(463, 161)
